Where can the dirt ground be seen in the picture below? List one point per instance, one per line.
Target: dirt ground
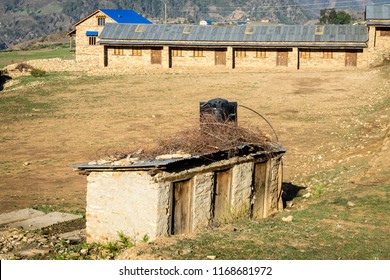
(327, 121)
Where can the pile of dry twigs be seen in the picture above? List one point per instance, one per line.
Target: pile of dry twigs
(208, 137)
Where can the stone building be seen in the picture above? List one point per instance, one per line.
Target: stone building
(117, 44)
(181, 195)
(87, 30)
(378, 23)
(234, 47)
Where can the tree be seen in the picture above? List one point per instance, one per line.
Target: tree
(343, 18)
(330, 16)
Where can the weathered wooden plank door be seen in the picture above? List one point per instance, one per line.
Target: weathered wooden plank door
(182, 207)
(351, 58)
(260, 191)
(156, 56)
(222, 195)
(220, 57)
(282, 58)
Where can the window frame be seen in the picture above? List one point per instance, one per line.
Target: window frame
(101, 21)
(136, 51)
(118, 51)
(198, 52)
(261, 53)
(384, 33)
(240, 53)
(177, 52)
(92, 40)
(328, 54)
(305, 54)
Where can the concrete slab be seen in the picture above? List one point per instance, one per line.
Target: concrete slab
(76, 235)
(44, 221)
(19, 215)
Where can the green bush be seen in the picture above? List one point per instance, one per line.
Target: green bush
(38, 72)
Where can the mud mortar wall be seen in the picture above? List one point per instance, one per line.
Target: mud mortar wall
(137, 203)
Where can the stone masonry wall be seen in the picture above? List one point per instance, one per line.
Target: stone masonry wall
(90, 54)
(138, 204)
(121, 202)
(317, 60)
(378, 48)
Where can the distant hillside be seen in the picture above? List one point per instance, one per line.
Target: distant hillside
(22, 20)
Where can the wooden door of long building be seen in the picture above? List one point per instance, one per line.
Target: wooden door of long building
(282, 58)
(220, 57)
(351, 58)
(156, 56)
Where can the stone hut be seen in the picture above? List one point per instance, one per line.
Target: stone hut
(181, 194)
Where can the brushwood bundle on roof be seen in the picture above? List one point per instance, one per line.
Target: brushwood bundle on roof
(212, 136)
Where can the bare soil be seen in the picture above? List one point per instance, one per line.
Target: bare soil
(325, 120)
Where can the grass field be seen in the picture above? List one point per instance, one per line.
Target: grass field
(334, 126)
(11, 57)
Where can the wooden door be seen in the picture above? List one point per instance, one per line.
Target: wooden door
(156, 56)
(220, 57)
(260, 191)
(182, 207)
(282, 58)
(351, 58)
(222, 195)
(105, 56)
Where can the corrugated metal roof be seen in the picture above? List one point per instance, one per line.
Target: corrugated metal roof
(256, 33)
(378, 11)
(126, 16)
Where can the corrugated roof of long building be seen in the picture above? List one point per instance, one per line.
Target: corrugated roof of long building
(378, 11)
(233, 34)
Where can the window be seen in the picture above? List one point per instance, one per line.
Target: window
(92, 40)
(101, 21)
(240, 53)
(198, 52)
(261, 53)
(385, 32)
(118, 51)
(305, 54)
(327, 54)
(177, 52)
(136, 52)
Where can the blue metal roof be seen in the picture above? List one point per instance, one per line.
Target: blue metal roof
(378, 11)
(249, 34)
(126, 16)
(91, 33)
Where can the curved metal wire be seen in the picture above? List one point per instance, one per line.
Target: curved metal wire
(276, 136)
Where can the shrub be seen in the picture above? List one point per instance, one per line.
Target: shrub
(23, 67)
(38, 72)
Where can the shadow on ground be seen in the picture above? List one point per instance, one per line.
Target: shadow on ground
(290, 191)
(3, 79)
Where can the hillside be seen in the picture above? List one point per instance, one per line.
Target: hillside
(22, 20)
